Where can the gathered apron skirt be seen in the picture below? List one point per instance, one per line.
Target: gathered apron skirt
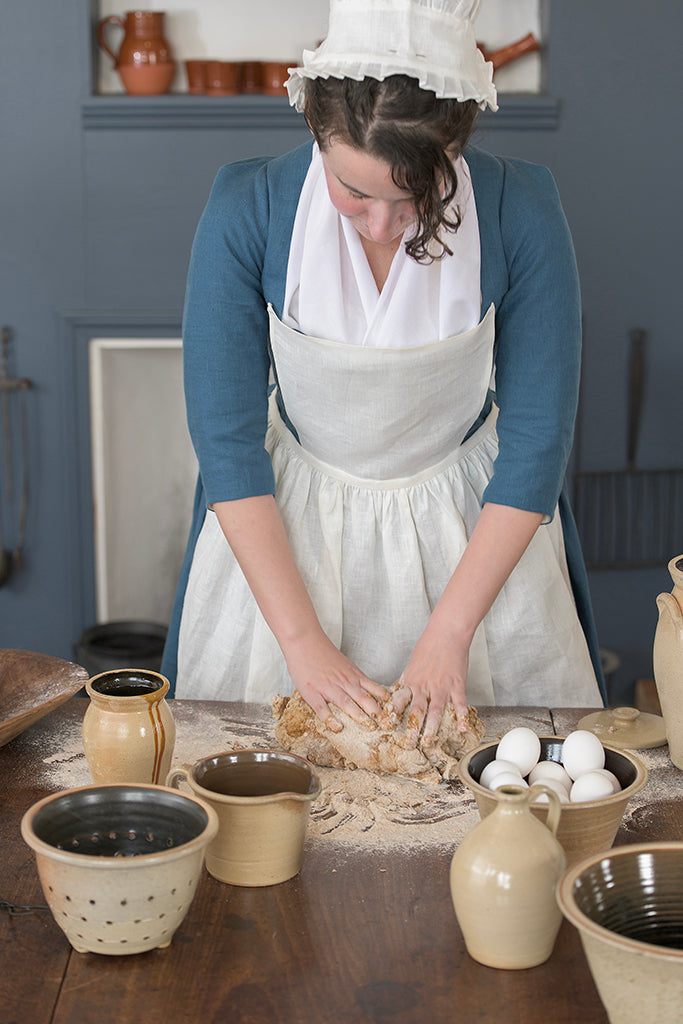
(379, 495)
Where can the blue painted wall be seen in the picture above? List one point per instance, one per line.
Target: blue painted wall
(96, 224)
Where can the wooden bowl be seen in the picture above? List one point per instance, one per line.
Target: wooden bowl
(31, 686)
(584, 828)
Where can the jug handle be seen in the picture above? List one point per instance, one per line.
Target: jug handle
(175, 775)
(667, 602)
(101, 34)
(554, 806)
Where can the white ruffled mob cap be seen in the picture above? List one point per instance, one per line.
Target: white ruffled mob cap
(431, 40)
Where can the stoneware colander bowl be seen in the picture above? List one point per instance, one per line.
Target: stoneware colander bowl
(119, 864)
(627, 905)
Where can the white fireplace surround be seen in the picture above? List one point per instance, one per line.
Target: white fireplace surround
(143, 471)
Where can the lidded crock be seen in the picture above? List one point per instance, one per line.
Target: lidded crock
(667, 657)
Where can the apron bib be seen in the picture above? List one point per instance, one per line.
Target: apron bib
(379, 496)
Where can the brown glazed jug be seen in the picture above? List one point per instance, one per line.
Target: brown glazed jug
(128, 730)
(503, 879)
(144, 61)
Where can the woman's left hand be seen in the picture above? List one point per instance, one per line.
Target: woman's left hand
(437, 671)
(435, 676)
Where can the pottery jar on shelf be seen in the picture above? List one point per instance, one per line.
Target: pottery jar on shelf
(128, 729)
(503, 879)
(667, 658)
(144, 61)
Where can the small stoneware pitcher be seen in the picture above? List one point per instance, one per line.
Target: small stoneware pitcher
(667, 658)
(503, 879)
(128, 729)
(262, 799)
(144, 60)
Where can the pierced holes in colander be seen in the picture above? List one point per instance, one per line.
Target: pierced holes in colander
(103, 841)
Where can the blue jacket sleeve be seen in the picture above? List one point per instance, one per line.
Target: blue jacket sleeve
(538, 342)
(225, 337)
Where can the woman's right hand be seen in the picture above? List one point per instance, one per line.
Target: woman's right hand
(324, 676)
(320, 672)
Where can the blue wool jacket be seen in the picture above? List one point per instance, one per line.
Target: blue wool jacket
(528, 270)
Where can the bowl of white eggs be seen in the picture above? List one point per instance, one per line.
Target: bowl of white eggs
(593, 780)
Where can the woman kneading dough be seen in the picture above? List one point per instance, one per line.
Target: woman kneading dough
(381, 354)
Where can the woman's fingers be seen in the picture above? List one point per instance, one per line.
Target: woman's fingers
(352, 696)
(433, 721)
(357, 704)
(401, 697)
(416, 717)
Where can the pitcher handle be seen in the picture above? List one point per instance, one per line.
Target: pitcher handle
(176, 774)
(668, 603)
(554, 806)
(101, 34)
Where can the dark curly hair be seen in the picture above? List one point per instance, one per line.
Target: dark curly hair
(406, 127)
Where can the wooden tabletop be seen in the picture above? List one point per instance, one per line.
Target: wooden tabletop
(365, 934)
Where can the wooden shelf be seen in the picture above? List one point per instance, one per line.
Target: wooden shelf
(182, 112)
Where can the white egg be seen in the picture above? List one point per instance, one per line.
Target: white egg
(616, 785)
(494, 768)
(591, 786)
(582, 752)
(508, 779)
(545, 770)
(557, 787)
(521, 746)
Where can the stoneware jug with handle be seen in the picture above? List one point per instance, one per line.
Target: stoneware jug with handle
(503, 879)
(667, 660)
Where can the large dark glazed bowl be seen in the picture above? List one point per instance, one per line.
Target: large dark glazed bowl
(627, 905)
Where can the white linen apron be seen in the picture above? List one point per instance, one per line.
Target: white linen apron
(379, 497)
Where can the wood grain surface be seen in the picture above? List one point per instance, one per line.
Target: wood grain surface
(363, 934)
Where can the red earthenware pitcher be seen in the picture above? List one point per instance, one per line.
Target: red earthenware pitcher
(144, 60)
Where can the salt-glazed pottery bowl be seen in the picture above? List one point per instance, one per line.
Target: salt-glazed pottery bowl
(119, 864)
(584, 828)
(627, 905)
(263, 800)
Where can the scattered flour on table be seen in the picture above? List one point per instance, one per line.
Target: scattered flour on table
(356, 808)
